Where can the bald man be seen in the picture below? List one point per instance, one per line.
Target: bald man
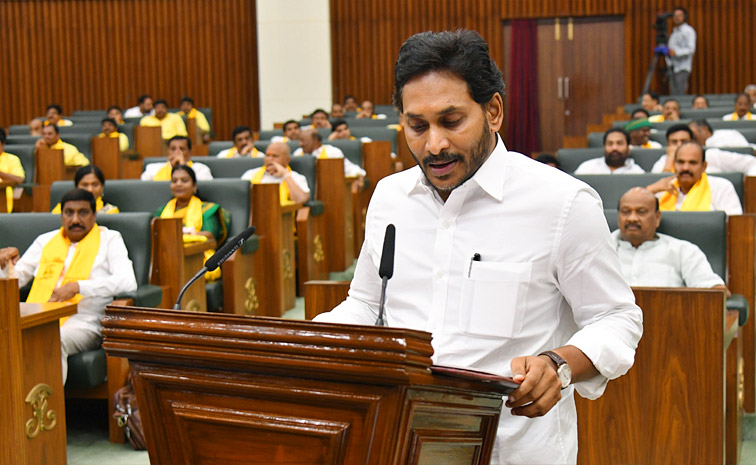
(312, 144)
(276, 170)
(652, 259)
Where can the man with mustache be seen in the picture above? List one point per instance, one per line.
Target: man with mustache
(656, 260)
(670, 112)
(691, 189)
(640, 133)
(81, 263)
(616, 156)
(506, 261)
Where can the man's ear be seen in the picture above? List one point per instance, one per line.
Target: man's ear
(494, 111)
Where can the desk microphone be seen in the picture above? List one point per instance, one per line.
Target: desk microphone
(216, 260)
(386, 269)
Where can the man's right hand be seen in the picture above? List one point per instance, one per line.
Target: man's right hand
(247, 149)
(276, 169)
(8, 254)
(662, 185)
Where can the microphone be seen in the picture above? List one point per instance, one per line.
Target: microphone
(386, 269)
(220, 256)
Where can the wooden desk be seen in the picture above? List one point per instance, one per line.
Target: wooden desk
(33, 419)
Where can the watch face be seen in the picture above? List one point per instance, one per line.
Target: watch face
(565, 375)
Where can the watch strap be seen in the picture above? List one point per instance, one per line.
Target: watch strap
(554, 357)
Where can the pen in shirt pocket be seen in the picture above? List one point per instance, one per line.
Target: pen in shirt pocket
(475, 258)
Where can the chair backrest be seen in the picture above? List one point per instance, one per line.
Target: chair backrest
(716, 112)
(388, 134)
(21, 139)
(25, 153)
(149, 160)
(570, 159)
(376, 123)
(58, 189)
(719, 123)
(233, 195)
(596, 139)
(645, 158)
(306, 167)
(660, 127)
(610, 187)
(386, 109)
(231, 168)
(707, 230)
(352, 149)
(83, 142)
(18, 130)
(87, 129)
(268, 134)
(20, 229)
(217, 146)
(262, 145)
(91, 113)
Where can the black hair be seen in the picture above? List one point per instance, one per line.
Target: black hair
(671, 100)
(238, 130)
(143, 97)
(159, 101)
(742, 94)
(319, 110)
(3, 136)
(547, 158)
(56, 107)
(89, 169)
(693, 142)
(462, 52)
(681, 8)
(347, 97)
(54, 126)
(317, 136)
(110, 120)
(704, 124)
(290, 122)
(621, 131)
(651, 94)
(186, 168)
(338, 123)
(187, 99)
(641, 110)
(188, 141)
(114, 107)
(677, 128)
(77, 194)
(700, 96)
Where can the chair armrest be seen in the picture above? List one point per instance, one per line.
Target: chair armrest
(146, 295)
(316, 207)
(739, 303)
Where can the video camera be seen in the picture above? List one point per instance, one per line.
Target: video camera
(661, 28)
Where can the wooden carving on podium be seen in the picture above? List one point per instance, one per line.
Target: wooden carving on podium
(232, 390)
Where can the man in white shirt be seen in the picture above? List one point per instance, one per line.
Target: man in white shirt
(90, 277)
(312, 144)
(708, 137)
(691, 189)
(651, 259)
(616, 156)
(717, 160)
(506, 261)
(670, 112)
(682, 47)
(742, 109)
(244, 144)
(640, 133)
(143, 108)
(276, 170)
(291, 131)
(179, 153)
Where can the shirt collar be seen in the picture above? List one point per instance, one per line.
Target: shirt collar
(489, 176)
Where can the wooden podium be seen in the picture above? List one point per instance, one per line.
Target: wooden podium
(228, 389)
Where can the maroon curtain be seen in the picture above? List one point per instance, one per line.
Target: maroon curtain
(524, 124)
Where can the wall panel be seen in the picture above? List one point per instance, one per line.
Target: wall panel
(88, 54)
(367, 36)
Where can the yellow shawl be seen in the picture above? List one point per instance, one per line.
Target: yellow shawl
(698, 198)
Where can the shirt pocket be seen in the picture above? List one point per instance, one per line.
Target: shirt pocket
(494, 296)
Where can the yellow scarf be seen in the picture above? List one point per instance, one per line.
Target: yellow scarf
(698, 198)
(9, 199)
(165, 172)
(5, 166)
(233, 151)
(283, 187)
(192, 217)
(53, 259)
(323, 155)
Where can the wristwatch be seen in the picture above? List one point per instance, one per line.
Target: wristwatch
(563, 369)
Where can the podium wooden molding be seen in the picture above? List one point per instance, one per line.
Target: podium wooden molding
(239, 390)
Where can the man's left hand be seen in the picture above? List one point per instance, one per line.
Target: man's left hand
(276, 169)
(65, 292)
(540, 388)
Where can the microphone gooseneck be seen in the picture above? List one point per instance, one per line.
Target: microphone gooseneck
(386, 269)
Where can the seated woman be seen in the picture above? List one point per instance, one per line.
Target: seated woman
(202, 220)
(90, 178)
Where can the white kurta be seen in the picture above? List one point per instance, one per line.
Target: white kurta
(723, 197)
(599, 166)
(548, 277)
(350, 169)
(719, 161)
(202, 172)
(268, 178)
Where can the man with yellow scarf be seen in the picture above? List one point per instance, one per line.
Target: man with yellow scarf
(691, 189)
(188, 111)
(51, 140)
(11, 171)
(80, 263)
(244, 144)
(179, 153)
(276, 170)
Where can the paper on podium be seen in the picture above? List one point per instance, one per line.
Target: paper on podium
(481, 376)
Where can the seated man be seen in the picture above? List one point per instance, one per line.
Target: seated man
(750, 90)
(650, 102)
(340, 130)
(143, 108)
(616, 156)
(54, 116)
(700, 103)
(638, 114)
(742, 109)
(35, 127)
(690, 189)
(718, 161)
(640, 133)
(291, 131)
(179, 153)
(51, 140)
(650, 259)
(171, 124)
(367, 111)
(708, 137)
(670, 112)
(276, 170)
(319, 119)
(110, 129)
(312, 144)
(80, 263)
(337, 110)
(188, 111)
(244, 146)
(350, 103)
(11, 171)
(116, 114)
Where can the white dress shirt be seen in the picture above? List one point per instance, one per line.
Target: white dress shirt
(683, 42)
(599, 166)
(112, 274)
(350, 169)
(202, 172)
(727, 138)
(719, 161)
(547, 277)
(723, 197)
(665, 262)
(268, 178)
(135, 112)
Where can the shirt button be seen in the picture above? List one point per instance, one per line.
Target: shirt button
(440, 274)
(446, 224)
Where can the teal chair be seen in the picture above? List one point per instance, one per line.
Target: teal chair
(217, 146)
